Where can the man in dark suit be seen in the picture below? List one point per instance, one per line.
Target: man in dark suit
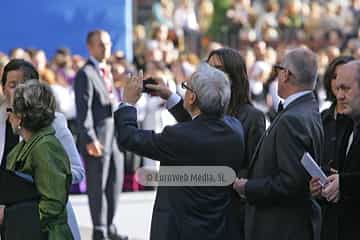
(342, 189)
(210, 139)
(95, 99)
(280, 205)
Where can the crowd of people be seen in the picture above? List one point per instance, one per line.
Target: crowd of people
(256, 107)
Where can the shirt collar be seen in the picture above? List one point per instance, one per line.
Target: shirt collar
(294, 96)
(97, 64)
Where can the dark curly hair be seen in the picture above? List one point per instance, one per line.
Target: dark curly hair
(234, 66)
(34, 102)
(329, 75)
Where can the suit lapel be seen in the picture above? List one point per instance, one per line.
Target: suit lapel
(99, 82)
(258, 146)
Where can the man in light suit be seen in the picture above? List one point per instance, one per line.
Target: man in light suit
(95, 99)
(15, 72)
(210, 139)
(280, 205)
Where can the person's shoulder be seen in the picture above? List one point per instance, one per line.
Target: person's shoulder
(84, 70)
(253, 111)
(234, 124)
(248, 112)
(59, 121)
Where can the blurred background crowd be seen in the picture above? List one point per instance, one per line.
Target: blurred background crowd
(171, 37)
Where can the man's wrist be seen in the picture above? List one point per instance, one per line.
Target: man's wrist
(172, 100)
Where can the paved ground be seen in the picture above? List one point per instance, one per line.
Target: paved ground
(132, 218)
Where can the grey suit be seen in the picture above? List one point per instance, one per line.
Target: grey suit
(279, 203)
(95, 122)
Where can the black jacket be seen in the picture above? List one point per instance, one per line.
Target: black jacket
(189, 212)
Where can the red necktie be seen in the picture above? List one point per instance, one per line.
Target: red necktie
(106, 76)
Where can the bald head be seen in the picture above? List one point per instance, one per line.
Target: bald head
(303, 64)
(348, 89)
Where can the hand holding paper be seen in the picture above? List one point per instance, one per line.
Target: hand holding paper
(313, 168)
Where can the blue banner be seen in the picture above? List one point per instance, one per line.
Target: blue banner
(49, 24)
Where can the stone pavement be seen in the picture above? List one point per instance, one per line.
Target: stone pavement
(132, 218)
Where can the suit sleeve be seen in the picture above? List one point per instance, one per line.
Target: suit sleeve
(349, 184)
(179, 112)
(290, 183)
(65, 137)
(83, 99)
(143, 142)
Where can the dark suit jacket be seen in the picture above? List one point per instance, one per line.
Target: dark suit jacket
(336, 132)
(186, 213)
(94, 109)
(252, 120)
(348, 206)
(279, 202)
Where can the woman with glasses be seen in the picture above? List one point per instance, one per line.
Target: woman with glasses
(40, 156)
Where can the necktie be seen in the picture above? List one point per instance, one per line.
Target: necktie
(280, 107)
(106, 76)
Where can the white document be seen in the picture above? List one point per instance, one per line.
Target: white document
(313, 168)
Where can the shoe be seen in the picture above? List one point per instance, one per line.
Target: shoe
(99, 235)
(118, 237)
(113, 234)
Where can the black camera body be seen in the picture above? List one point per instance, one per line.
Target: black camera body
(148, 81)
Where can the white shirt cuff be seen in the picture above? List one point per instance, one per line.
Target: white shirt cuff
(172, 101)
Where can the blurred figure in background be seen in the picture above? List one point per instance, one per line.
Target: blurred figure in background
(95, 97)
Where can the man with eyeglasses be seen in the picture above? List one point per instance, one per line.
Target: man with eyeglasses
(210, 139)
(280, 205)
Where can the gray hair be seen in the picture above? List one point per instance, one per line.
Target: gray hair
(212, 89)
(35, 104)
(304, 65)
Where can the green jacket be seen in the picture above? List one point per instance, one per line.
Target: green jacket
(45, 160)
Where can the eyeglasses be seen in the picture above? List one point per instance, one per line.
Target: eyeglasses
(278, 67)
(184, 85)
(9, 110)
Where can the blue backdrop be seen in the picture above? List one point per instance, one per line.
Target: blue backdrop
(49, 24)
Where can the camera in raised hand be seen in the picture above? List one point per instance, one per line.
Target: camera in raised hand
(148, 81)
